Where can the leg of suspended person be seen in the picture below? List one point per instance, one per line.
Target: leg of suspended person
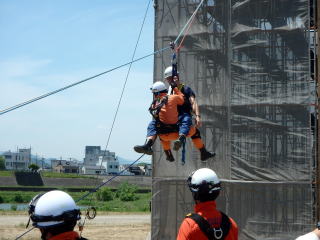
(197, 142)
(166, 147)
(151, 137)
(185, 122)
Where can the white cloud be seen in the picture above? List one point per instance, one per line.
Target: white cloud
(21, 67)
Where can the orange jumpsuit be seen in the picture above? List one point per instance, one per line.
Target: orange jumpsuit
(169, 112)
(72, 235)
(169, 115)
(189, 229)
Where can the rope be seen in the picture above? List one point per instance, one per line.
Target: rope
(123, 88)
(189, 21)
(9, 109)
(183, 154)
(95, 76)
(125, 83)
(20, 236)
(109, 180)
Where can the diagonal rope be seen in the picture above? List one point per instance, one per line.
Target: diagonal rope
(109, 180)
(20, 236)
(9, 109)
(87, 79)
(121, 95)
(129, 69)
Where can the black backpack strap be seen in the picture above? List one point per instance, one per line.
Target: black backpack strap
(210, 232)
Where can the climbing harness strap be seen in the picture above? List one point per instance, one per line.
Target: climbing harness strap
(155, 108)
(163, 128)
(183, 153)
(212, 233)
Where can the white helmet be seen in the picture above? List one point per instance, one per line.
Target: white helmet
(168, 72)
(204, 184)
(158, 87)
(53, 209)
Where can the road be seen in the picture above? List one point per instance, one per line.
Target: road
(105, 226)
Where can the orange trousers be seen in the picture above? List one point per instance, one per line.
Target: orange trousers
(167, 138)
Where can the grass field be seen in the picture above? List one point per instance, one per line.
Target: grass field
(140, 204)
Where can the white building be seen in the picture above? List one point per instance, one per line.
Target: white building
(17, 160)
(92, 154)
(110, 163)
(93, 170)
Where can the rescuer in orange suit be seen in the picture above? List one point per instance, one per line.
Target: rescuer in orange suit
(206, 222)
(55, 214)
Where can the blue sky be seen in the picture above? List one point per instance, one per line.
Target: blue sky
(46, 45)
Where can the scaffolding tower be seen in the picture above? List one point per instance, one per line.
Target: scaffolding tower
(252, 65)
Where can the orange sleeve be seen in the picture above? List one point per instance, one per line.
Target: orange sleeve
(178, 96)
(233, 233)
(184, 230)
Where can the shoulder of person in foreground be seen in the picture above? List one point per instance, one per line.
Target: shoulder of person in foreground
(234, 229)
(314, 235)
(187, 229)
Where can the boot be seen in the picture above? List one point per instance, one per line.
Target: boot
(204, 154)
(146, 148)
(169, 155)
(178, 143)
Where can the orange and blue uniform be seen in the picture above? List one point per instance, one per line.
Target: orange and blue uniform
(169, 112)
(189, 229)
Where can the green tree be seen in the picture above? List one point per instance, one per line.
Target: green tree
(127, 192)
(2, 163)
(33, 167)
(104, 194)
(18, 198)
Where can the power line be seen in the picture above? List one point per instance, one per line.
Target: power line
(9, 109)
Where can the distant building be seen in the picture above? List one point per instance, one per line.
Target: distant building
(124, 171)
(136, 170)
(92, 154)
(110, 163)
(64, 166)
(93, 170)
(147, 169)
(17, 160)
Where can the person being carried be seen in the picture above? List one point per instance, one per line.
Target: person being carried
(206, 222)
(164, 110)
(184, 127)
(55, 214)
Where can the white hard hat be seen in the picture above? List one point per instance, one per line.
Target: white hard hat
(53, 208)
(158, 87)
(204, 184)
(168, 72)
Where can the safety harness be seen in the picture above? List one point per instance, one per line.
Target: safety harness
(154, 110)
(210, 232)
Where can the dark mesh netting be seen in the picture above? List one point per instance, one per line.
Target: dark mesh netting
(248, 63)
